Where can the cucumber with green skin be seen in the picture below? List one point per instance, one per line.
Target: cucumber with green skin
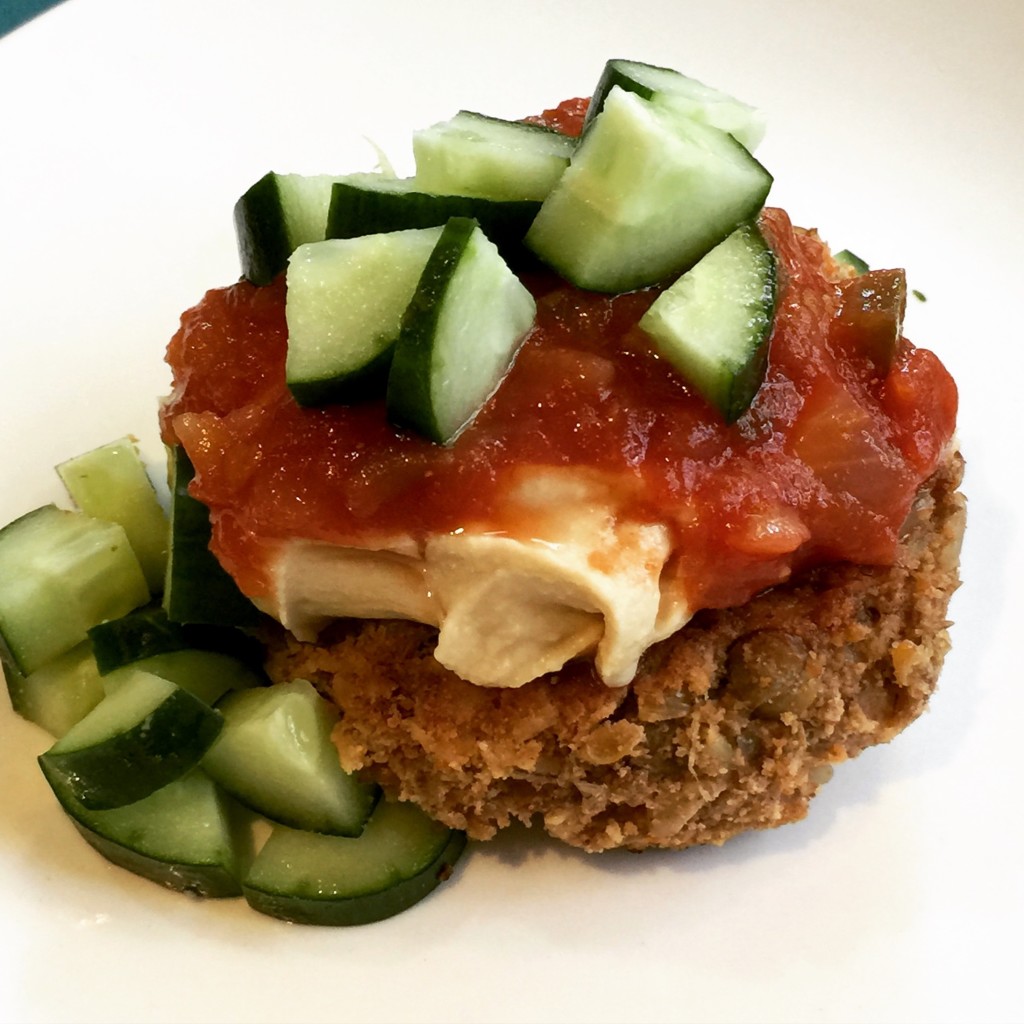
(693, 99)
(346, 298)
(714, 323)
(275, 216)
(197, 588)
(142, 736)
(63, 691)
(649, 192)
(59, 693)
(111, 483)
(476, 155)
(275, 755)
(184, 836)
(148, 631)
(363, 204)
(401, 856)
(460, 333)
(61, 573)
(208, 675)
(852, 260)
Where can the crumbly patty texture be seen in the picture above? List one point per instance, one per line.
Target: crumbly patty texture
(731, 724)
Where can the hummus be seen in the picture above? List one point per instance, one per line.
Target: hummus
(586, 581)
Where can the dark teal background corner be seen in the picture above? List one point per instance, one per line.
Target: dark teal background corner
(16, 12)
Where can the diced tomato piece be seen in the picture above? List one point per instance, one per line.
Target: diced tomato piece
(567, 117)
(921, 398)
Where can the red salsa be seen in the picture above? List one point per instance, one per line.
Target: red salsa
(822, 467)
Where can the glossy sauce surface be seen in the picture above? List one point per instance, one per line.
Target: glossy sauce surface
(822, 467)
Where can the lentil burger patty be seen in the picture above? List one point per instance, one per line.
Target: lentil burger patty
(731, 724)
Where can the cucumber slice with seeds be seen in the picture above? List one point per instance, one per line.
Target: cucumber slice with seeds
(275, 216)
(144, 735)
(401, 856)
(60, 574)
(363, 204)
(344, 309)
(648, 193)
(460, 334)
(714, 323)
(686, 95)
(476, 155)
(275, 755)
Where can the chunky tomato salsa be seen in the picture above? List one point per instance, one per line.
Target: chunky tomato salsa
(823, 466)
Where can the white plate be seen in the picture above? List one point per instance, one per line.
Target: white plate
(895, 129)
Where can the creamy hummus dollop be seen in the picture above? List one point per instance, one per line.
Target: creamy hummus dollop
(583, 581)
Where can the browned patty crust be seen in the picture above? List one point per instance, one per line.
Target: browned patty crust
(731, 724)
